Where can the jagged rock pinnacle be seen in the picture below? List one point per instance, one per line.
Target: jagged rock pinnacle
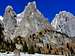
(9, 11)
(9, 21)
(32, 20)
(31, 6)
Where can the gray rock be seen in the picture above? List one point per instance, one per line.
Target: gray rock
(64, 22)
(32, 20)
(9, 21)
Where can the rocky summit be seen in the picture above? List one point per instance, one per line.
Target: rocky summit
(31, 32)
(10, 22)
(64, 22)
(32, 20)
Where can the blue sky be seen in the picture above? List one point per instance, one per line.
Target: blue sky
(49, 8)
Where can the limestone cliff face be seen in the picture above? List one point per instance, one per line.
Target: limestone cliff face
(64, 22)
(9, 20)
(31, 21)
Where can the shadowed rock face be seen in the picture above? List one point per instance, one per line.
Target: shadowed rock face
(44, 42)
(1, 31)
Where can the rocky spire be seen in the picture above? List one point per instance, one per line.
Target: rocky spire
(33, 16)
(9, 21)
(32, 19)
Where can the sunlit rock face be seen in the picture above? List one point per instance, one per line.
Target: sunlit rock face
(9, 21)
(31, 21)
(64, 22)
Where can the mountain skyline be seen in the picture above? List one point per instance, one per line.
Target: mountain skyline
(34, 34)
(33, 19)
(48, 7)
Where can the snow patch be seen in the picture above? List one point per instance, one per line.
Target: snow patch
(1, 18)
(26, 54)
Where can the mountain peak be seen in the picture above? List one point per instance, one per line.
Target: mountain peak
(31, 20)
(31, 6)
(8, 7)
(62, 15)
(9, 20)
(64, 22)
(9, 11)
